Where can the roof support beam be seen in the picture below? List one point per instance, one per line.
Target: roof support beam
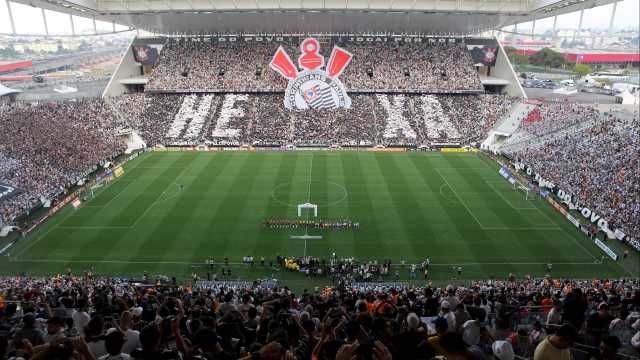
(533, 29)
(613, 16)
(579, 25)
(89, 4)
(44, 20)
(13, 25)
(73, 28)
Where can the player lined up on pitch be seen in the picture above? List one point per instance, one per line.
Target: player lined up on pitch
(283, 223)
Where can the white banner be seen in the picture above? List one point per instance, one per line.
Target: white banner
(606, 249)
(573, 204)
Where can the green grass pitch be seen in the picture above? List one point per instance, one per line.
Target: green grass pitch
(452, 208)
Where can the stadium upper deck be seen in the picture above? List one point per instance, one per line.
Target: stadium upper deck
(187, 65)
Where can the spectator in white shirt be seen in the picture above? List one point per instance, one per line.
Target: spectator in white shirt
(131, 337)
(555, 314)
(81, 317)
(446, 313)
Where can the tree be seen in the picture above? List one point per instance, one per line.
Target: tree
(547, 58)
(514, 57)
(510, 50)
(582, 69)
(519, 59)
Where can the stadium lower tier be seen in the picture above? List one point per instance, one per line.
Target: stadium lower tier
(373, 119)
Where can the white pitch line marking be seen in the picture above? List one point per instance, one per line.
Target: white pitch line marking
(459, 198)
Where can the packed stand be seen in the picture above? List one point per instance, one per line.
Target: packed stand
(49, 147)
(188, 65)
(131, 107)
(262, 120)
(401, 67)
(599, 165)
(90, 318)
(549, 117)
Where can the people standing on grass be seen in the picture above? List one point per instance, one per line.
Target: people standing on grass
(318, 224)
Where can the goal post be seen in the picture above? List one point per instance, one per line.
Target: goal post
(528, 192)
(516, 183)
(306, 236)
(309, 206)
(93, 189)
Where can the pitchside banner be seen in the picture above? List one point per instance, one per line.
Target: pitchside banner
(606, 249)
(7, 191)
(572, 202)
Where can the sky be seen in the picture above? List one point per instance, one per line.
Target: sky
(627, 17)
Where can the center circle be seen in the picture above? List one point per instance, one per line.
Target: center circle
(294, 193)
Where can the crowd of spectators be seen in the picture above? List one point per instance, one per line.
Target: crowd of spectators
(131, 106)
(597, 163)
(549, 117)
(106, 318)
(48, 147)
(262, 119)
(188, 65)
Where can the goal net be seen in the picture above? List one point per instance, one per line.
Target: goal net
(525, 190)
(517, 184)
(92, 191)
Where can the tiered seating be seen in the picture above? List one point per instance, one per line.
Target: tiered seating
(588, 154)
(49, 147)
(373, 119)
(186, 65)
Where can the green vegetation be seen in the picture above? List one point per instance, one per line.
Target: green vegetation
(514, 57)
(453, 208)
(582, 69)
(547, 58)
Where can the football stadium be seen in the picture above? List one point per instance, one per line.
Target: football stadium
(314, 180)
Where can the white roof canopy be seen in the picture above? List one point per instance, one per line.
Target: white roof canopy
(7, 91)
(312, 16)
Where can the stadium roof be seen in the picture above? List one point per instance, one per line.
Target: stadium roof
(315, 16)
